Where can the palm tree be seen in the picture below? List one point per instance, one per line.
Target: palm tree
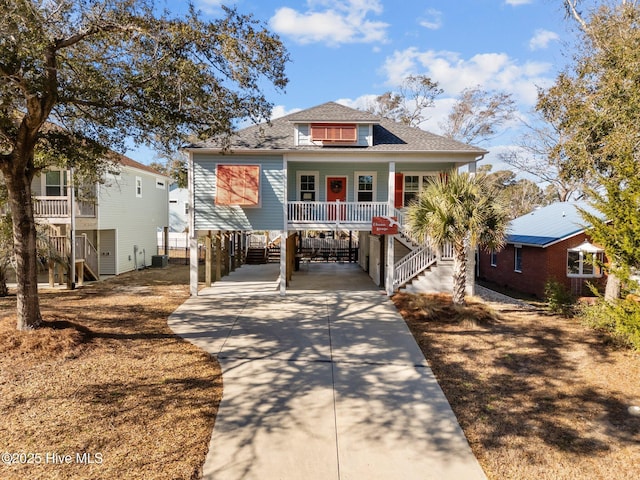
(463, 209)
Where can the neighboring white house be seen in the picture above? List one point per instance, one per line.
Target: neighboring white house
(178, 220)
(113, 223)
(178, 210)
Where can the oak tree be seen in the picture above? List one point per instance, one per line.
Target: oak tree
(80, 77)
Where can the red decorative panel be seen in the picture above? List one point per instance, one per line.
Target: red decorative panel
(334, 132)
(238, 185)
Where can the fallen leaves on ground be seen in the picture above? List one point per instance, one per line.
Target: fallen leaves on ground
(538, 396)
(105, 376)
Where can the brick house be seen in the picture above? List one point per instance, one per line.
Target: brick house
(549, 243)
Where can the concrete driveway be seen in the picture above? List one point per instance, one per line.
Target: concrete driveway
(324, 383)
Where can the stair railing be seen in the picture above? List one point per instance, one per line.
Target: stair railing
(413, 264)
(87, 252)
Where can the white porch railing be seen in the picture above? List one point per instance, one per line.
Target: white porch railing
(447, 251)
(401, 215)
(413, 264)
(51, 206)
(60, 207)
(335, 212)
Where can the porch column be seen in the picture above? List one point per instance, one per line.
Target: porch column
(165, 240)
(193, 235)
(218, 275)
(285, 229)
(389, 255)
(193, 264)
(208, 260)
(72, 236)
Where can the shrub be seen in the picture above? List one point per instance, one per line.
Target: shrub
(559, 299)
(620, 318)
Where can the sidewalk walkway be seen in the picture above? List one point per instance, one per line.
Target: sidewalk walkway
(320, 384)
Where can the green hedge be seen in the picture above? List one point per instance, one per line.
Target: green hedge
(620, 318)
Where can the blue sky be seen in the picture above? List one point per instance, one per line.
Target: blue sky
(353, 50)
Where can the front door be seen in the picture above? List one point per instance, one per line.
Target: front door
(336, 191)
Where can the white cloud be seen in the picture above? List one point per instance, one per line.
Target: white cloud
(363, 102)
(542, 38)
(432, 19)
(336, 23)
(280, 111)
(516, 3)
(492, 71)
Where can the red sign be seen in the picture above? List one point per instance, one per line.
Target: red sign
(384, 225)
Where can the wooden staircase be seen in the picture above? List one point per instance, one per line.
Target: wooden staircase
(256, 256)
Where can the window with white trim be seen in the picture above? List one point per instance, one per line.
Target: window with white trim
(308, 186)
(517, 255)
(139, 187)
(493, 258)
(414, 184)
(365, 186)
(56, 183)
(585, 261)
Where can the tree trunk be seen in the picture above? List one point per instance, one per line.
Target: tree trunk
(24, 239)
(4, 291)
(612, 289)
(459, 274)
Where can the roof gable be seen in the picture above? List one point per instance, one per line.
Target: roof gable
(332, 112)
(388, 135)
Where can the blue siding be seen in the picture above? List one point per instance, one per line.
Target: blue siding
(268, 216)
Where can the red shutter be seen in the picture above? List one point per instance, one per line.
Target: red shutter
(398, 190)
(238, 185)
(334, 132)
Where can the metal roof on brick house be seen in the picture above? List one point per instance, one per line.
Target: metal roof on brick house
(548, 225)
(388, 135)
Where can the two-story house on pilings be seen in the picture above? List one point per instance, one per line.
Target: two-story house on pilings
(107, 228)
(331, 168)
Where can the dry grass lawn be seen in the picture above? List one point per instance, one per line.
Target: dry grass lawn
(538, 396)
(106, 378)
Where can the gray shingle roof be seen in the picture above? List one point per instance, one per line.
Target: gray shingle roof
(388, 136)
(549, 224)
(332, 112)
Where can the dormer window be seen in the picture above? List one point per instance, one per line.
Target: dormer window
(334, 132)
